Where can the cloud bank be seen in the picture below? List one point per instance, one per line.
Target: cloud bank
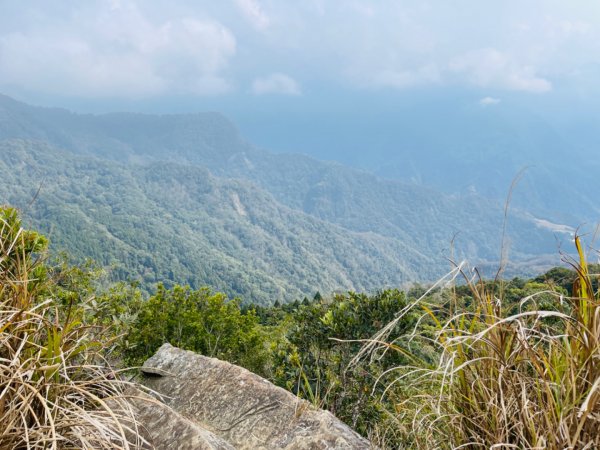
(200, 47)
(492, 68)
(119, 52)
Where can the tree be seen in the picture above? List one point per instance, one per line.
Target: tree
(321, 342)
(199, 320)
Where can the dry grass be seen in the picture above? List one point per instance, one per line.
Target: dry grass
(529, 380)
(55, 389)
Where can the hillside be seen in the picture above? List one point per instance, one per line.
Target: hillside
(185, 199)
(169, 222)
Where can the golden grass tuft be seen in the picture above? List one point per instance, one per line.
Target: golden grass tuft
(524, 380)
(56, 392)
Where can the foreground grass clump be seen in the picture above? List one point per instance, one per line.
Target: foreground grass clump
(528, 379)
(55, 389)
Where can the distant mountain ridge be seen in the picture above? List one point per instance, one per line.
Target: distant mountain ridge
(449, 140)
(183, 198)
(125, 137)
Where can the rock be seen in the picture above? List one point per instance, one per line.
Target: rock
(230, 407)
(159, 427)
(164, 429)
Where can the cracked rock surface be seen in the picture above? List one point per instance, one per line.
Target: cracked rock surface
(223, 406)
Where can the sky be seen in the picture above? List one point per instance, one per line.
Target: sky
(279, 66)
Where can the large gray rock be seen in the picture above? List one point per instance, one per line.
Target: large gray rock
(235, 407)
(163, 428)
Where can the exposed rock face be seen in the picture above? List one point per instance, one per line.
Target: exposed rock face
(223, 406)
(164, 429)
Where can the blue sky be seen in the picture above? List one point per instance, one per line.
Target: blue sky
(259, 59)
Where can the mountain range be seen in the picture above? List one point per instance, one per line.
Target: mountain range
(186, 199)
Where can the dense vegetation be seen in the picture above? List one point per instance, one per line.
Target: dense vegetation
(173, 224)
(483, 363)
(433, 368)
(184, 200)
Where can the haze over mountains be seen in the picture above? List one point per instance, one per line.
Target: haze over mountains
(455, 140)
(185, 199)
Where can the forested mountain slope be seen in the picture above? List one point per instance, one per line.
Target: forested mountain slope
(167, 222)
(207, 139)
(183, 198)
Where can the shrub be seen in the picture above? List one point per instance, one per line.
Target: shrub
(322, 339)
(198, 320)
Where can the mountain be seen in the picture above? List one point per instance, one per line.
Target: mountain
(184, 198)
(457, 141)
(481, 149)
(170, 222)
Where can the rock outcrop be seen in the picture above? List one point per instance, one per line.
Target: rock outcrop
(206, 403)
(162, 428)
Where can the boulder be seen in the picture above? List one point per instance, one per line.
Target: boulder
(162, 428)
(229, 407)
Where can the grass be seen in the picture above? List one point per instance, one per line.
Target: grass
(56, 391)
(528, 379)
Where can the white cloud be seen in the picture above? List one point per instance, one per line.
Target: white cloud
(407, 78)
(195, 54)
(119, 52)
(574, 27)
(489, 101)
(276, 83)
(254, 13)
(142, 48)
(491, 68)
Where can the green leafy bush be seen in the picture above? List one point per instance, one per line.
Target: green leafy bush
(322, 340)
(197, 320)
